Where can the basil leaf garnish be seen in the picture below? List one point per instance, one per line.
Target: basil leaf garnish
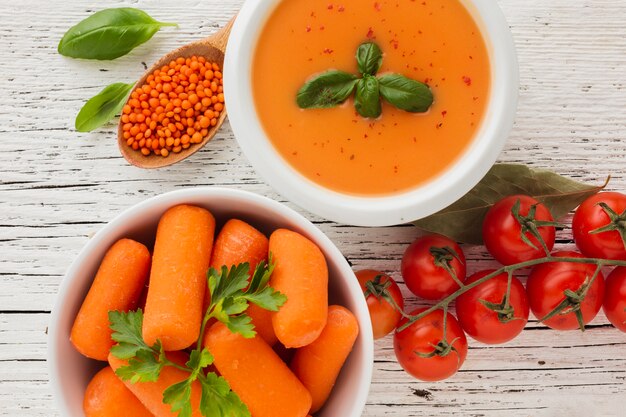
(369, 58)
(326, 90)
(367, 100)
(109, 34)
(405, 93)
(102, 107)
(333, 87)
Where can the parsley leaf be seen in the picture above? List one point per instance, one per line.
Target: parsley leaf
(127, 333)
(179, 397)
(231, 295)
(199, 359)
(241, 324)
(145, 367)
(144, 362)
(218, 400)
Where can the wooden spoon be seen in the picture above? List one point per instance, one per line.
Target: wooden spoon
(212, 48)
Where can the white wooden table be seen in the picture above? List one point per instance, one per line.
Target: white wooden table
(58, 187)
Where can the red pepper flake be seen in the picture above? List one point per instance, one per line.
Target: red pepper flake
(467, 80)
(394, 43)
(341, 9)
(471, 57)
(328, 51)
(443, 113)
(330, 7)
(370, 34)
(308, 29)
(426, 80)
(475, 98)
(439, 125)
(365, 136)
(322, 27)
(377, 6)
(352, 157)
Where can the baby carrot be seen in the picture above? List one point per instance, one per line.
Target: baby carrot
(236, 243)
(182, 252)
(262, 320)
(117, 286)
(318, 364)
(255, 373)
(151, 393)
(301, 274)
(107, 396)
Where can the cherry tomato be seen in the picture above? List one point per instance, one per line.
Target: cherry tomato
(592, 216)
(615, 298)
(483, 323)
(384, 315)
(502, 231)
(422, 337)
(546, 286)
(423, 267)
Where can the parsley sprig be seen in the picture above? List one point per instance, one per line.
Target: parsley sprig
(231, 295)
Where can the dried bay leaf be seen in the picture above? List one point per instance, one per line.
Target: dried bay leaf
(462, 221)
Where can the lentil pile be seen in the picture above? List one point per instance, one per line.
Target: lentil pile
(175, 108)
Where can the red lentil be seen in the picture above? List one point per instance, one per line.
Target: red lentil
(175, 108)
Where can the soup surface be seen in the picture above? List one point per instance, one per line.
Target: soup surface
(433, 41)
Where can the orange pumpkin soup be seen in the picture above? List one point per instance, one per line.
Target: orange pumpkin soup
(433, 41)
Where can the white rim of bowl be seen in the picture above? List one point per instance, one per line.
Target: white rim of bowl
(423, 201)
(176, 197)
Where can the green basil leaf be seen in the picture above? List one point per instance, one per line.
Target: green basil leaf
(405, 93)
(463, 220)
(367, 100)
(103, 107)
(109, 34)
(328, 89)
(369, 57)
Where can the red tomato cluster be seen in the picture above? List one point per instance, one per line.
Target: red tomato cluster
(493, 307)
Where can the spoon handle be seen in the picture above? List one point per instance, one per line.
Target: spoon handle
(220, 38)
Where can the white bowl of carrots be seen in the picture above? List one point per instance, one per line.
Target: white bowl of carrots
(150, 265)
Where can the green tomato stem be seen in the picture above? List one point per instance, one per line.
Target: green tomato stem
(508, 269)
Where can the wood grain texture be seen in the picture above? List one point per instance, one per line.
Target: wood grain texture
(58, 187)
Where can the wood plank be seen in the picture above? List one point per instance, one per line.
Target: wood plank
(58, 187)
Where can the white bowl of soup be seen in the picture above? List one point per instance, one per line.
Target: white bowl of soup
(70, 372)
(395, 168)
